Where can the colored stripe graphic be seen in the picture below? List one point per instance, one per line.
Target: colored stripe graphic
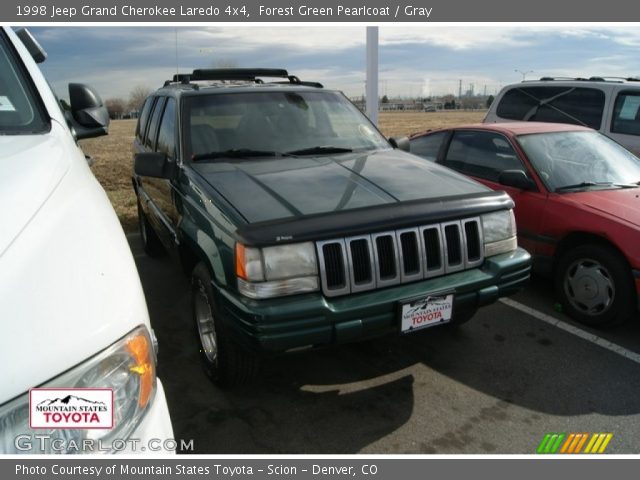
(598, 443)
(565, 447)
(574, 443)
(550, 443)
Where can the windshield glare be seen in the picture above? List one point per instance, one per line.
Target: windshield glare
(277, 121)
(571, 158)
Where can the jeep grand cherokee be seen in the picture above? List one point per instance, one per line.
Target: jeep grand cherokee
(302, 226)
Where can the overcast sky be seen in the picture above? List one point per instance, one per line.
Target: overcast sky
(414, 60)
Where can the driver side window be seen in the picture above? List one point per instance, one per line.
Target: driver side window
(481, 154)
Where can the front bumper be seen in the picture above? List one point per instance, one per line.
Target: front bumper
(278, 325)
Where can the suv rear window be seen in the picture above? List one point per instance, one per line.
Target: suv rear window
(20, 111)
(152, 132)
(575, 105)
(167, 134)
(144, 118)
(626, 113)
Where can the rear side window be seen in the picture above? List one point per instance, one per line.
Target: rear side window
(152, 133)
(144, 118)
(167, 135)
(626, 113)
(481, 154)
(428, 146)
(575, 105)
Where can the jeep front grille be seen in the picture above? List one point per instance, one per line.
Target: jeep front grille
(366, 262)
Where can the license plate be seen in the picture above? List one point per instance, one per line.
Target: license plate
(434, 309)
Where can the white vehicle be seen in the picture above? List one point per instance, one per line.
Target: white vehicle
(607, 104)
(72, 310)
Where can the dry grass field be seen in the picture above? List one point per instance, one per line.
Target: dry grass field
(113, 164)
(405, 123)
(113, 157)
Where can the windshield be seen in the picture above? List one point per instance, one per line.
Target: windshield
(280, 122)
(19, 112)
(566, 160)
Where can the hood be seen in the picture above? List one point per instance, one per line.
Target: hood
(31, 166)
(276, 188)
(622, 203)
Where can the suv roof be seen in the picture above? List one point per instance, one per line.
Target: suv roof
(225, 78)
(583, 79)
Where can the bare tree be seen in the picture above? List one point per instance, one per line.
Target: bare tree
(489, 101)
(116, 107)
(137, 97)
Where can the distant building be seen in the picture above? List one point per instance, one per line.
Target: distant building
(395, 105)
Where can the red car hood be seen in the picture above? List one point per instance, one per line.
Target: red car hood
(622, 203)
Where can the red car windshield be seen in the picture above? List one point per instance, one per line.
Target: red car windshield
(573, 160)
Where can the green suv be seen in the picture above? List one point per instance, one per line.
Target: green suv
(302, 226)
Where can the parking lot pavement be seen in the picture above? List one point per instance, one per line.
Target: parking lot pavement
(495, 385)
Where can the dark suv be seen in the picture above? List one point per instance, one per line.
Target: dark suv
(302, 226)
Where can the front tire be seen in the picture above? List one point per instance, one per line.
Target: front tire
(225, 362)
(594, 285)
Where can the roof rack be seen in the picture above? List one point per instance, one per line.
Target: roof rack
(590, 79)
(238, 74)
(614, 79)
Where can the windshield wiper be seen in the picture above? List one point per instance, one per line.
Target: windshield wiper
(320, 150)
(596, 184)
(238, 153)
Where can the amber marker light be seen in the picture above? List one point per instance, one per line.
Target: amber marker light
(241, 270)
(139, 346)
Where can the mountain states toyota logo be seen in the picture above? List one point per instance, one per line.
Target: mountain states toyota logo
(77, 408)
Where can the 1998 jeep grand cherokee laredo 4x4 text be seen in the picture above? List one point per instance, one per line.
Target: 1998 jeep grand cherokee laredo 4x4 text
(302, 225)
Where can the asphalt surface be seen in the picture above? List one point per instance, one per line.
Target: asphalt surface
(496, 385)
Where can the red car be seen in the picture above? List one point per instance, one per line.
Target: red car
(577, 196)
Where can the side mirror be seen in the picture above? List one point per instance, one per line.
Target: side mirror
(89, 117)
(516, 179)
(401, 143)
(153, 164)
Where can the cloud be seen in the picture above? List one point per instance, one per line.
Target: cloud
(413, 59)
(459, 38)
(113, 83)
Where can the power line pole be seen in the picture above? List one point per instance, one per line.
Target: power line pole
(524, 73)
(460, 89)
(372, 74)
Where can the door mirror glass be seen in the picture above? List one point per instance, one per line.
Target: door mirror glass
(90, 117)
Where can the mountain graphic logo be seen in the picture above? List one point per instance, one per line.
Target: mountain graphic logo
(70, 401)
(72, 408)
